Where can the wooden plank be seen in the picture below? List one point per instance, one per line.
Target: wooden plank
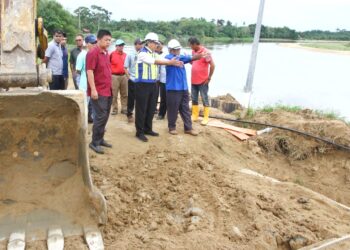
(239, 135)
(219, 124)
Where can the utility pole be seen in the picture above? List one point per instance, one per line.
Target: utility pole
(249, 84)
(79, 21)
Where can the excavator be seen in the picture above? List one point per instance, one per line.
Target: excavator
(46, 190)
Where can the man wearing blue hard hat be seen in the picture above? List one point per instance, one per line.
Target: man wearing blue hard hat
(119, 78)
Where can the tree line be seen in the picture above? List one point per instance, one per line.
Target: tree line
(84, 19)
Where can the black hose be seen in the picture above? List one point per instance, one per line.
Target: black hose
(328, 141)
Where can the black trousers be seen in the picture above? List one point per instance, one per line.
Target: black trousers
(145, 95)
(101, 109)
(131, 98)
(162, 93)
(178, 102)
(57, 82)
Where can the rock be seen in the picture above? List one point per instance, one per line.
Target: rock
(297, 242)
(236, 233)
(194, 211)
(153, 226)
(191, 228)
(195, 219)
(303, 200)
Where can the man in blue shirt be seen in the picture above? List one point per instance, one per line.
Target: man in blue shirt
(65, 59)
(177, 90)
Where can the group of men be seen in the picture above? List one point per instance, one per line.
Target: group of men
(139, 78)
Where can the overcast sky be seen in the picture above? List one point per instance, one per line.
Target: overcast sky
(296, 14)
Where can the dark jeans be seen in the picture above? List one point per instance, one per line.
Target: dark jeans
(178, 102)
(203, 90)
(57, 82)
(131, 98)
(145, 95)
(75, 81)
(161, 91)
(101, 109)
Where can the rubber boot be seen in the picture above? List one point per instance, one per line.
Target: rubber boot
(206, 116)
(195, 113)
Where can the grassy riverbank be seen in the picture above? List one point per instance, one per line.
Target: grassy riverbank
(328, 45)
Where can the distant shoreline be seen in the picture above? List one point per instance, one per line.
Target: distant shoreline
(322, 50)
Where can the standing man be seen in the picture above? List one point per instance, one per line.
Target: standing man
(145, 86)
(99, 75)
(65, 59)
(119, 79)
(80, 67)
(177, 89)
(129, 65)
(54, 61)
(79, 39)
(201, 77)
(161, 91)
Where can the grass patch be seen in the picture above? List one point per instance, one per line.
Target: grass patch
(288, 108)
(340, 46)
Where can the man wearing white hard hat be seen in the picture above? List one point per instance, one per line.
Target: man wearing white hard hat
(177, 89)
(145, 85)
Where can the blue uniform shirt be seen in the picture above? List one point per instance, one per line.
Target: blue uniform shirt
(65, 62)
(176, 78)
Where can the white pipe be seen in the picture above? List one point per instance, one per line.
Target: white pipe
(332, 242)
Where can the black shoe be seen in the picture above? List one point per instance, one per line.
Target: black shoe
(124, 112)
(90, 120)
(160, 117)
(97, 149)
(151, 133)
(142, 137)
(105, 144)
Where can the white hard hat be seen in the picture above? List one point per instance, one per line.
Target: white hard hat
(174, 44)
(152, 37)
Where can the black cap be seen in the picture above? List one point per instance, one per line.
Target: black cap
(138, 41)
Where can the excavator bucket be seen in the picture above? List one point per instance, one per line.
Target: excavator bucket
(44, 170)
(46, 191)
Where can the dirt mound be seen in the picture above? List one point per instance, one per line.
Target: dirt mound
(183, 192)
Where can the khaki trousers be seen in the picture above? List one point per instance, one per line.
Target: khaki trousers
(120, 85)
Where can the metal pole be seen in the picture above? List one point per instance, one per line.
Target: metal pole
(249, 84)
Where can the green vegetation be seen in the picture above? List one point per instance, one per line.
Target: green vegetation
(342, 46)
(332, 115)
(89, 20)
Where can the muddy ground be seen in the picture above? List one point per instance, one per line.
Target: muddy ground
(184, 192)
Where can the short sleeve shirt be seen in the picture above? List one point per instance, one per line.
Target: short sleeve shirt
(97, 60)
(176, 79)
(81, 66)
(54, 53)
(74, 55)
(130, 64)
(200, 68)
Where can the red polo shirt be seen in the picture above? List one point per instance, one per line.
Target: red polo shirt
(200, 68)
(117, 62)
(97, 60)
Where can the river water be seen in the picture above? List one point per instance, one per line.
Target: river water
(283, 75)
(291, 76)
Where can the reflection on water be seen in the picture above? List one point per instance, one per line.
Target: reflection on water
(285, 75)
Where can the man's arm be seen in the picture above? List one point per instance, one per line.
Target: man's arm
(211, 72)
(146, 58)
(45, 60)
(91, 81)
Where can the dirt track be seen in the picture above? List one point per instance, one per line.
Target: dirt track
(183, 192)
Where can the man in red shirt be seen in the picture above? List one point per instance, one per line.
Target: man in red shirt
(99, 75)
(119, 78)
(201, 77)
